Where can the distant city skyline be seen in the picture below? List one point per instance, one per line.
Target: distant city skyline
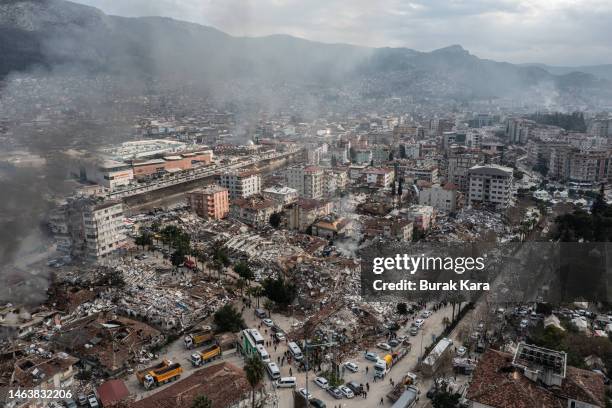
(554, 32)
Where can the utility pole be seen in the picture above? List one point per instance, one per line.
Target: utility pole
(308, 347)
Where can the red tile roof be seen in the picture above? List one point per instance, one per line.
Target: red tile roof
(112, 391)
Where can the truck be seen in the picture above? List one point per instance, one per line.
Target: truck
(408, 399)
(198, 338)
(383, 366)
(161, 373)
(202, 357)
(399, 388)
(464, 365)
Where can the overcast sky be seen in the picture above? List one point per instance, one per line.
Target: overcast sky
(560, 32)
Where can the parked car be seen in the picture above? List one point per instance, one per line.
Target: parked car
(82, 399)
(414, 331)
(334, 392)
(355, 387)
(419, 323)
(303, 393)
(393, 342)
(426, 314)
(280, 336)
(317, 403)
(69, 403)
(461, 351)
(93, 401)
(384, 346)
(268, 322)
(353, 367)
(371, 356)
(321, 382)
(346, 391)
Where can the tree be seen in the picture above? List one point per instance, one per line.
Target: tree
(391, 155)
(227, 318)
(279, 291)
(244, 271)
(144, 239)
(402, 308)
(400, 188)
(402, 151)
(257, 292)
(178, 257)
(445, 399)
(254, 370)
(275, 219)
(201, 401)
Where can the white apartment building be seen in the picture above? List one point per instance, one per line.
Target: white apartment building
(440, 197)
(241, 184)
(90, 229)
(308, 181)
(490, 185)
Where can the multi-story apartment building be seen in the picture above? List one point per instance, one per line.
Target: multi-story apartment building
(334, 180)
(282, 195)
(490, 185)
(87, 228)
(308, 181)
(241, 184)
(381, 177)
(211, 202)
(518, 130)
(457, 168)
(589, 166)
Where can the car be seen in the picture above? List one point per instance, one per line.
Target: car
(384, 346)
(268, 322)
(317, 403)
(93, 401)
(82, 399)
(321, 382)
(461, 351)
(334, 392)
(355, 387)
(393, 342)
(346, 391)
(414, 331)
(371, 356)
(303, 393)
(353, 367)
(426, 314)
(280, 336)
(419, 323)
(69, 403)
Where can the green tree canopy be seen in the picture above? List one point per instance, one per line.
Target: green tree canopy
(227, 318)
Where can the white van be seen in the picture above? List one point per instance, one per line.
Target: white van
(295, 351)
(273, 371)
(286, 382)
(263, 353)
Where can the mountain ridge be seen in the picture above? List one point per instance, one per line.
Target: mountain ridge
(52, 33)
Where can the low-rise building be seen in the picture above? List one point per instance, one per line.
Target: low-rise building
(423, 216)
(305, 212)
(281, 195)
(381, 177)
(392, 227)
(211, 202)
(255, 210)
(537, 377)
(45, 371)
(331, 227)
(443, 198)
(213, 381)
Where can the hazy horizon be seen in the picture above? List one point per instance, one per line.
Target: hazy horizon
(552, 32)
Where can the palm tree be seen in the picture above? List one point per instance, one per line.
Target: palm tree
(201, 401)
(240, 285)
(254, 370)
(258, 292)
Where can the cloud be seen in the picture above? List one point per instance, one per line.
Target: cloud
(565, 32)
